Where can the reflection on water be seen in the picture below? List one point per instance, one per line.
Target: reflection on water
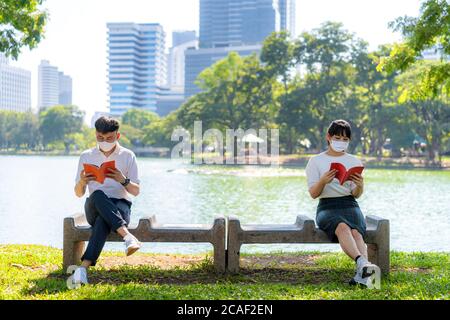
(37, 193)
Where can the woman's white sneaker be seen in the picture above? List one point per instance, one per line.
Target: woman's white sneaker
(367, 274)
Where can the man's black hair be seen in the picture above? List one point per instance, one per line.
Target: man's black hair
(340, 128)
(106, 125)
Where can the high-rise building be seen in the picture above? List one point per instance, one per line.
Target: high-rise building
(180, 37)
(237, 22)
(54, 87)
(15, 87)
(137, 66)
(65, 89)
(235, 25)
(182, 40)
(48, 85)
(287, 16)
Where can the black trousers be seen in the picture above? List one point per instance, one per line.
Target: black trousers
(104, 215)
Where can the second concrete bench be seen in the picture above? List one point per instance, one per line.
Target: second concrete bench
(303, 231)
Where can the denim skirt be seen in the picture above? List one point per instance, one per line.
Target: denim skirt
(332, 211)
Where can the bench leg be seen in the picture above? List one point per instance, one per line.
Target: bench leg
(72, 252)
(233, 257)
(379, 255)
(219, 258)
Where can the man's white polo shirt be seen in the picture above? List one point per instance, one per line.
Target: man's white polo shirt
(125, 162)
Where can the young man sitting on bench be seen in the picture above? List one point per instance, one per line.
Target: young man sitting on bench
(108, 206)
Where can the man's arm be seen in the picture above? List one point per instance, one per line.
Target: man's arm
(80, 187)
(133, 188)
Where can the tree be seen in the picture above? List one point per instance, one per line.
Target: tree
(430, 30)
(133, 123)
(238, 93)
(131, 136)
(22, 24)
(159, 133)
(26, 132)
(58, 121)
(277, 55)
(138, 119)
(430, 117)
(324, 91)
(375, 93)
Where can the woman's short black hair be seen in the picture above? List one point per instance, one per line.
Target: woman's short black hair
(340, 128)
(106, 124)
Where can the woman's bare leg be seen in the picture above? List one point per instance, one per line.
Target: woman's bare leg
(362, 247)
(346, 240)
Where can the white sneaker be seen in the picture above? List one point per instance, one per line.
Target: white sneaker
(367, 274)
(131, 244)
(78, 278)
(364, 268)
(358, 280)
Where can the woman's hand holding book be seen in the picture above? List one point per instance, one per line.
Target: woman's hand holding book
(357, 179)
(328, 177)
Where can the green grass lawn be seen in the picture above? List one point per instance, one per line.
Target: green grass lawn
(34, 272)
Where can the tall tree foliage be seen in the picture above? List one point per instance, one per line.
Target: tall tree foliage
(22, 24)
(430, 30)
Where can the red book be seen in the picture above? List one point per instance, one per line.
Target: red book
(342, 174)
(99, 172)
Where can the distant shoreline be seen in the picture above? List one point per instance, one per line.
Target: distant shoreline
(292, 160)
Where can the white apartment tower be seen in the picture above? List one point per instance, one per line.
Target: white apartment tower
(54, 87)
(182, 40)
(15, 87)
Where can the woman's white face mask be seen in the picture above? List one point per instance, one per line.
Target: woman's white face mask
(339, 146)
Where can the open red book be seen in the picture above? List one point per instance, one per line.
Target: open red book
(343, 175)
(99, 173)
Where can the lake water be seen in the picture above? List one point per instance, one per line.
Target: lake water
(36, 193)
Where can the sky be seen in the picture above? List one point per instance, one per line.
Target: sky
(76, 35)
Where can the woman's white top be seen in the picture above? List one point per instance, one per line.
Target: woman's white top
(320, 164)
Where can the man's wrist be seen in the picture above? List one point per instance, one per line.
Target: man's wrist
(125, 182)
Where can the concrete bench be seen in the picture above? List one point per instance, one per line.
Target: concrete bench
(303, 231)
(77, 231)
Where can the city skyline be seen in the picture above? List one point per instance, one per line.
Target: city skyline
(70, 33)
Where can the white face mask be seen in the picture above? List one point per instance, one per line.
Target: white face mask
(106, 146)
(339, 146)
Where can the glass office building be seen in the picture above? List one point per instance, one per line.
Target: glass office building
(137, 66)
(234, 25)
(239, 22)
